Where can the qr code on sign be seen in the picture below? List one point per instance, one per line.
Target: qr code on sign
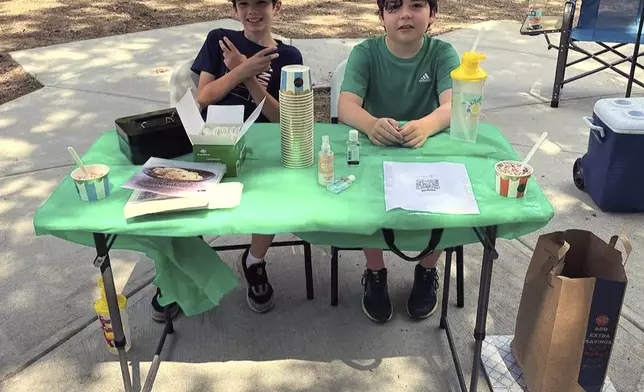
(428, 185)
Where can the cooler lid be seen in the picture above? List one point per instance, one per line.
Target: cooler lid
(622, 115)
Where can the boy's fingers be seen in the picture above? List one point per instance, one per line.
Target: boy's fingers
(415, 142)
(406, 131)
(223, 46)
(390, 132)
(393, 123)
(230, 44)
(265, 51)
(387, 137)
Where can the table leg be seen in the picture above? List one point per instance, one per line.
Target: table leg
(103, 258)
(334, 276)
(308, 267)
(446, 279)
(489, 253)
(444, 321)
(156, 360)
(460, 288)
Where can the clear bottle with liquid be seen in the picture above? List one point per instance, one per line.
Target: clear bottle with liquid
(353, 148)
(535, 13)
(468, 81)
(325, 163)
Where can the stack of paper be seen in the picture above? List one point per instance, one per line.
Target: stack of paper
(165, 185)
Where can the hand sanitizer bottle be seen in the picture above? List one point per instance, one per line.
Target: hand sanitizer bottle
(325, 163)
(353, 148)
(341, 184)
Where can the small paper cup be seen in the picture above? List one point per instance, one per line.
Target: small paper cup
(509, 184)
(95, 188)
(296, 80)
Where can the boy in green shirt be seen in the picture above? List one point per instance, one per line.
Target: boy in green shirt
(403, 75)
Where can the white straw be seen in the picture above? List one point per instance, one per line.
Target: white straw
(72, 152)
(535, 148)
(476, 41)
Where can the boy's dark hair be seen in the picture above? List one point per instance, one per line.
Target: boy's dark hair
(274, 1)
(390, 5)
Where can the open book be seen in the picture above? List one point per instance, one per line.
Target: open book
(219, 196)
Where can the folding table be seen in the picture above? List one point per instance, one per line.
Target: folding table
(279, 200)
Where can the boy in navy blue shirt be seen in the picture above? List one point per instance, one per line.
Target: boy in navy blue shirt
(243, 68)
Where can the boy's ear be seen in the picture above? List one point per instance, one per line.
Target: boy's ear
(432, 17)
(277, 6)
(382, 20)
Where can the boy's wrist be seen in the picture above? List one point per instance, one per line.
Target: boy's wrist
(241, 72)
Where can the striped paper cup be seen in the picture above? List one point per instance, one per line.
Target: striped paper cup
(95, 188)
(296, 80)
(512, 184)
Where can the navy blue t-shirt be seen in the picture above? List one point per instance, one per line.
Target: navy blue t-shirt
(211, 60)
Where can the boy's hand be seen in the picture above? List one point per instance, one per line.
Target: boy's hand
(264, 78)
(259, 63)
(385, 132)
(414, 134)
(232, 56)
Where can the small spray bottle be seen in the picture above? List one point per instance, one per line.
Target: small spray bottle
(325, 163)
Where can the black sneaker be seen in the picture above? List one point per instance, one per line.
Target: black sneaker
(260, 293)
(157, 310)
(423, 301)
(375, 301)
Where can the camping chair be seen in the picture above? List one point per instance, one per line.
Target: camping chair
(336, 83)
(618, 22)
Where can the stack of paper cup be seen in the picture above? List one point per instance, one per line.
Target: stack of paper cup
(296, 116)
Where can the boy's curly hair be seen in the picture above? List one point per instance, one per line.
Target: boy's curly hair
(390, 5)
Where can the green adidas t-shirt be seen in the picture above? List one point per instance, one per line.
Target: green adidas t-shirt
(402, 89)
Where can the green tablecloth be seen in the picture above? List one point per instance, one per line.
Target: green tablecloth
(279, 200)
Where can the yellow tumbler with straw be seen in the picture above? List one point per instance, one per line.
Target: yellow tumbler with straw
(103, 313)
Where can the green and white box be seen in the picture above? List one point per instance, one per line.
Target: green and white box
(221, 137)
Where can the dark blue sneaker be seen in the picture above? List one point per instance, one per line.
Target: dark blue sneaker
(260, 295)
(423, 300)
(157, 310)
(375, 301)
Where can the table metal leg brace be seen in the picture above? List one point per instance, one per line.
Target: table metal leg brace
(103, 262)
(488, 239)
(103, 245)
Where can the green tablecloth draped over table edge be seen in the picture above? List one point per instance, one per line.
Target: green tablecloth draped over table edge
(279, 200)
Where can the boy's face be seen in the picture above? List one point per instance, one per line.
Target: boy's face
(256, 15)
(407, 20)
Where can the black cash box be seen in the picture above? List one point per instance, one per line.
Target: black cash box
(154, 134)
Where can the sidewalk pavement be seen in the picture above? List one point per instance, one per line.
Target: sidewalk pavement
(301, 345)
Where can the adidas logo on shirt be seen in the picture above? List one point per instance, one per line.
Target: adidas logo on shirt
(424, 78)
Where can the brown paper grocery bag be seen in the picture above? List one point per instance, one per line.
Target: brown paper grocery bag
(569, 311)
